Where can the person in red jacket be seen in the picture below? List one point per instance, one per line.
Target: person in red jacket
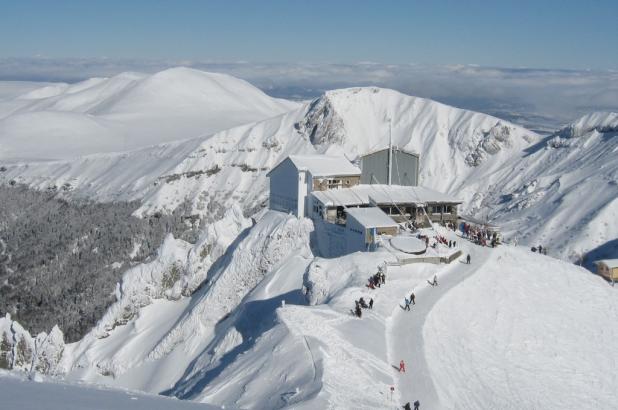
(402, 367)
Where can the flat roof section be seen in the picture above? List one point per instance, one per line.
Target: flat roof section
(324, 166)
(382, 194)
(372, 217)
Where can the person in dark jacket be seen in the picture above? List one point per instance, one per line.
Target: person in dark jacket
(371, 303)
(468, 259)
(417, 405)
(407, 406)
(413, 298)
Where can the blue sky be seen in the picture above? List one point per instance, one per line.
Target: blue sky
(545, 34)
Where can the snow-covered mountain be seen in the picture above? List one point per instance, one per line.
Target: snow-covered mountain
(230, 166)
(562, 193)
(247, 317)
(127, 111)
(495, 166)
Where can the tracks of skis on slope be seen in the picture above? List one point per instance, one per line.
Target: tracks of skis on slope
(406, 328)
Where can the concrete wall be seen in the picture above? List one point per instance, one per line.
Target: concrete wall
(284, 188)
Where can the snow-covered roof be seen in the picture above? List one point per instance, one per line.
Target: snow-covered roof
(371, 217)
(405, 151)
(611, 263)
(324, 165)
(382, 194)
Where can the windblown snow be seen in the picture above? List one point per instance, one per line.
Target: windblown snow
(248, 316)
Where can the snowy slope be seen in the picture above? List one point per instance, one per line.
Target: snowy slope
(454, 144)
(563, 193)
(18, 392)
(528, 185)
(525, 331)
(127, 111)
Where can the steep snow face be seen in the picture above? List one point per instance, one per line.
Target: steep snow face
(127, 111)
(563, 193)
(453, 143)
(601, 122)
(162, 323)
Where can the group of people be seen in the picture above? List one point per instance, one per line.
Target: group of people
(377, 280)
(479, 235)
(417, 406)
(360, 305)
(412, 301)
(542, 250)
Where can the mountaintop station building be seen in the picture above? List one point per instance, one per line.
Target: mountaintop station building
(352, 213)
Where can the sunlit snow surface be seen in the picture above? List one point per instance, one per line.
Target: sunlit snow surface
(271, 326)
(18, 392)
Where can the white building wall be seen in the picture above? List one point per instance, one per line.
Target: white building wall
(284, 189)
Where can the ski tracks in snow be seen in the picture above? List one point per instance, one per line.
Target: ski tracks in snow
(406, 328)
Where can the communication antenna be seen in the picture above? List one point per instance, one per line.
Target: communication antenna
(390, 151)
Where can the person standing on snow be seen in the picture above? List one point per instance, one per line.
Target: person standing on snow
(407, 306)
(407, 406)
(402, 367)
(417, 405)
(413, 298)
(468, 259)
(371, 303)
(435, 280)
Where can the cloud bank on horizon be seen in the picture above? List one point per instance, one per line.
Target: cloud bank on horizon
(536, 98)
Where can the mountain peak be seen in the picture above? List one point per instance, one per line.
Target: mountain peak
(595, 121)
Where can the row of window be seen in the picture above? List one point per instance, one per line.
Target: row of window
(440, 209)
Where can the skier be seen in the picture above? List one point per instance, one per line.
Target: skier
(540, 249)
(362, 303)
(417, 405)
(435, 281)
(359, 312)
(468, 259)
(407, 307)
(371, 303)
(402, 367)
(407, 406)
(413, 298)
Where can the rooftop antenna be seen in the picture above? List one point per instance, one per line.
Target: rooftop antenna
(390, 151)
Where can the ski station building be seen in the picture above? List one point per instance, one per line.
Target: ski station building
(355, 209)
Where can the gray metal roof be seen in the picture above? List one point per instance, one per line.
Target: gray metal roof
(382, 194)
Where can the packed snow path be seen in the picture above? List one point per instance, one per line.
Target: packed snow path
(407, 330)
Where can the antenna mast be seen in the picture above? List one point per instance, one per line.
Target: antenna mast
(390, 151)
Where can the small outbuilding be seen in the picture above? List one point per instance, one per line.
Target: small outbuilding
(365, 225)
(608, 268)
